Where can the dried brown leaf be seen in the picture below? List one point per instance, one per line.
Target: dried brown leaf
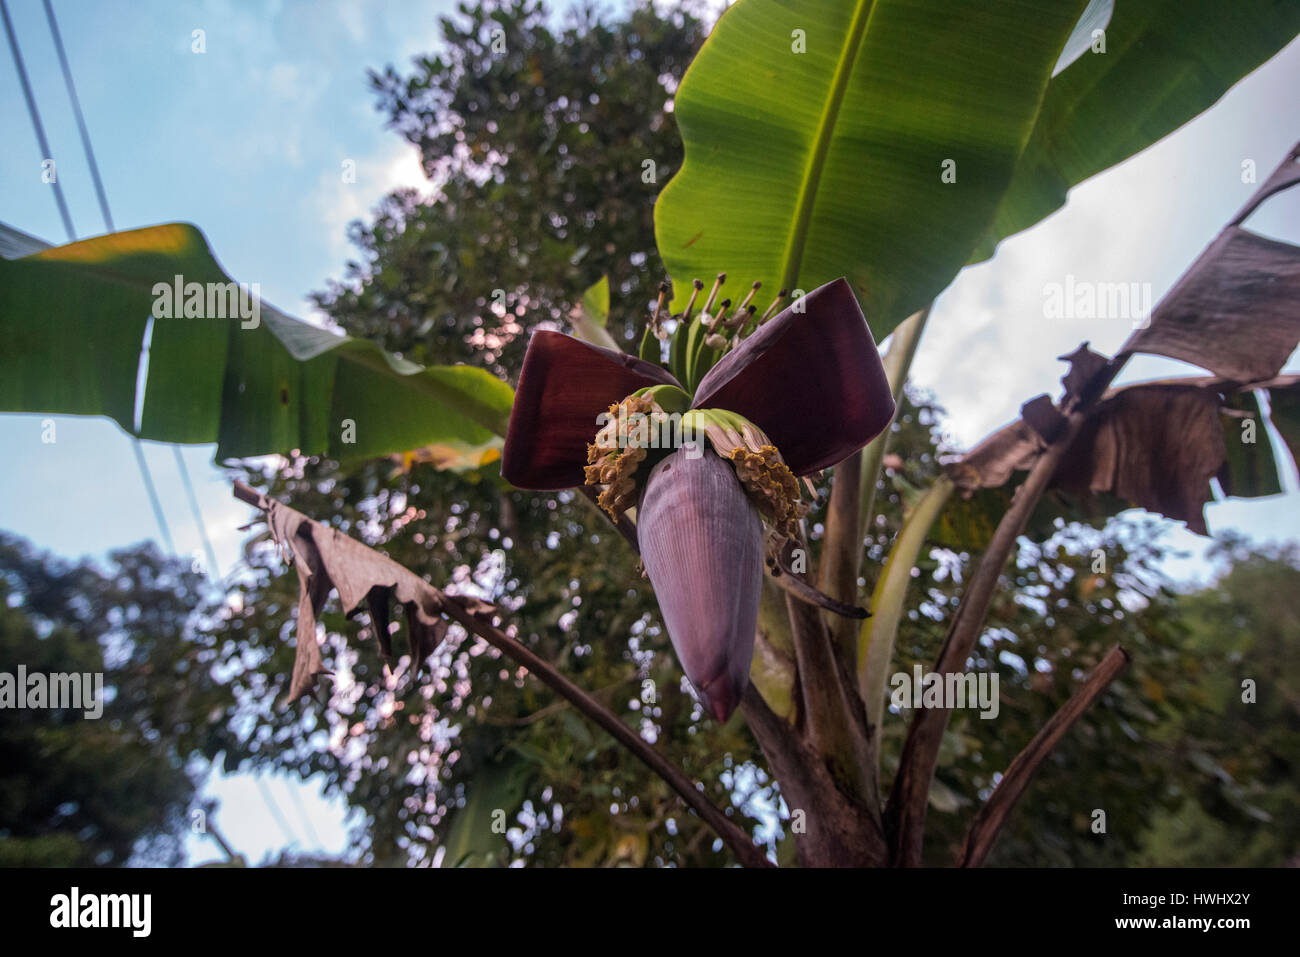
(327, 559)
(1042, 415)
(991, 463)
(1236, 312)
(1085, 366)
(1155, 446)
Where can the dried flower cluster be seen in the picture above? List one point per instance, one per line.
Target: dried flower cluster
(612, 459)
(768, 481)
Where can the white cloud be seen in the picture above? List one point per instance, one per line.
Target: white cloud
(283, 81)
(336, 203)
(989, 346)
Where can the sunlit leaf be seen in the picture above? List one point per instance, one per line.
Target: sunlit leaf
(805, 166)
(74, 319)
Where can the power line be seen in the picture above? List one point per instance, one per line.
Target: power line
(137, 444)
(197, 513)
(153, 494)
(81, 120)
(302, 816)
(44, 144)
(275, 811)
(108, 222)
(35, 114)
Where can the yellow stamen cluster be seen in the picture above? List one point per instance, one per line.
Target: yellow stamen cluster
(768, 481)
(772, 487)
(612, 459)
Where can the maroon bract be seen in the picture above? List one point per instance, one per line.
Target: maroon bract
(810, 380)
(564, 384)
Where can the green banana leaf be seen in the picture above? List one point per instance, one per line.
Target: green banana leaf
(1165, 62)
(805, 166)
(589, 317)
(74, 320)
(876, 639)
(1284, 411)
(495, 790)
(802, 167)
(1251, 467)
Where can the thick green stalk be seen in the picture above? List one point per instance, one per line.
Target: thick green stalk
(898, 364)
(911, 788)
(876, 639)
(773, 671)
(853, 495)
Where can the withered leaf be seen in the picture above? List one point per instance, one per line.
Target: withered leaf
(325, 559)
(1236, 312)
(991, 463)
(1085, 366)
(377, 605)
(1154, 446)
(1285, 176)
(307, 663)
(1041, 414)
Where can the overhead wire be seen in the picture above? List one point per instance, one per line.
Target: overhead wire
(102, 196)
(46, 154)
(108, 222)
(275, 811)
(34, 112)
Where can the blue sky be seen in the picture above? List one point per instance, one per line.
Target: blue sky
(247, 140)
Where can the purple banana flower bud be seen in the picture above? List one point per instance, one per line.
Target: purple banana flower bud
(702, 543)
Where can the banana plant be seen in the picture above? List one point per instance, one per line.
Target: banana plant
(865, 150)
(1015, 113)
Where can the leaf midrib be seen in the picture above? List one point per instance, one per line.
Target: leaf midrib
(807, 196)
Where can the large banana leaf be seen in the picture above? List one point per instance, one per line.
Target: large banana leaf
(472, 839)
(876, 639)
(1165, 61)
(801, 167)
(74, 318)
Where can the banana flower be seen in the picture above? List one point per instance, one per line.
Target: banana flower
(751, 405)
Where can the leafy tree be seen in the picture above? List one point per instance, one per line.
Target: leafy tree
(574, 113)
(1241, 744)
(538, 158)
(106, 791)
